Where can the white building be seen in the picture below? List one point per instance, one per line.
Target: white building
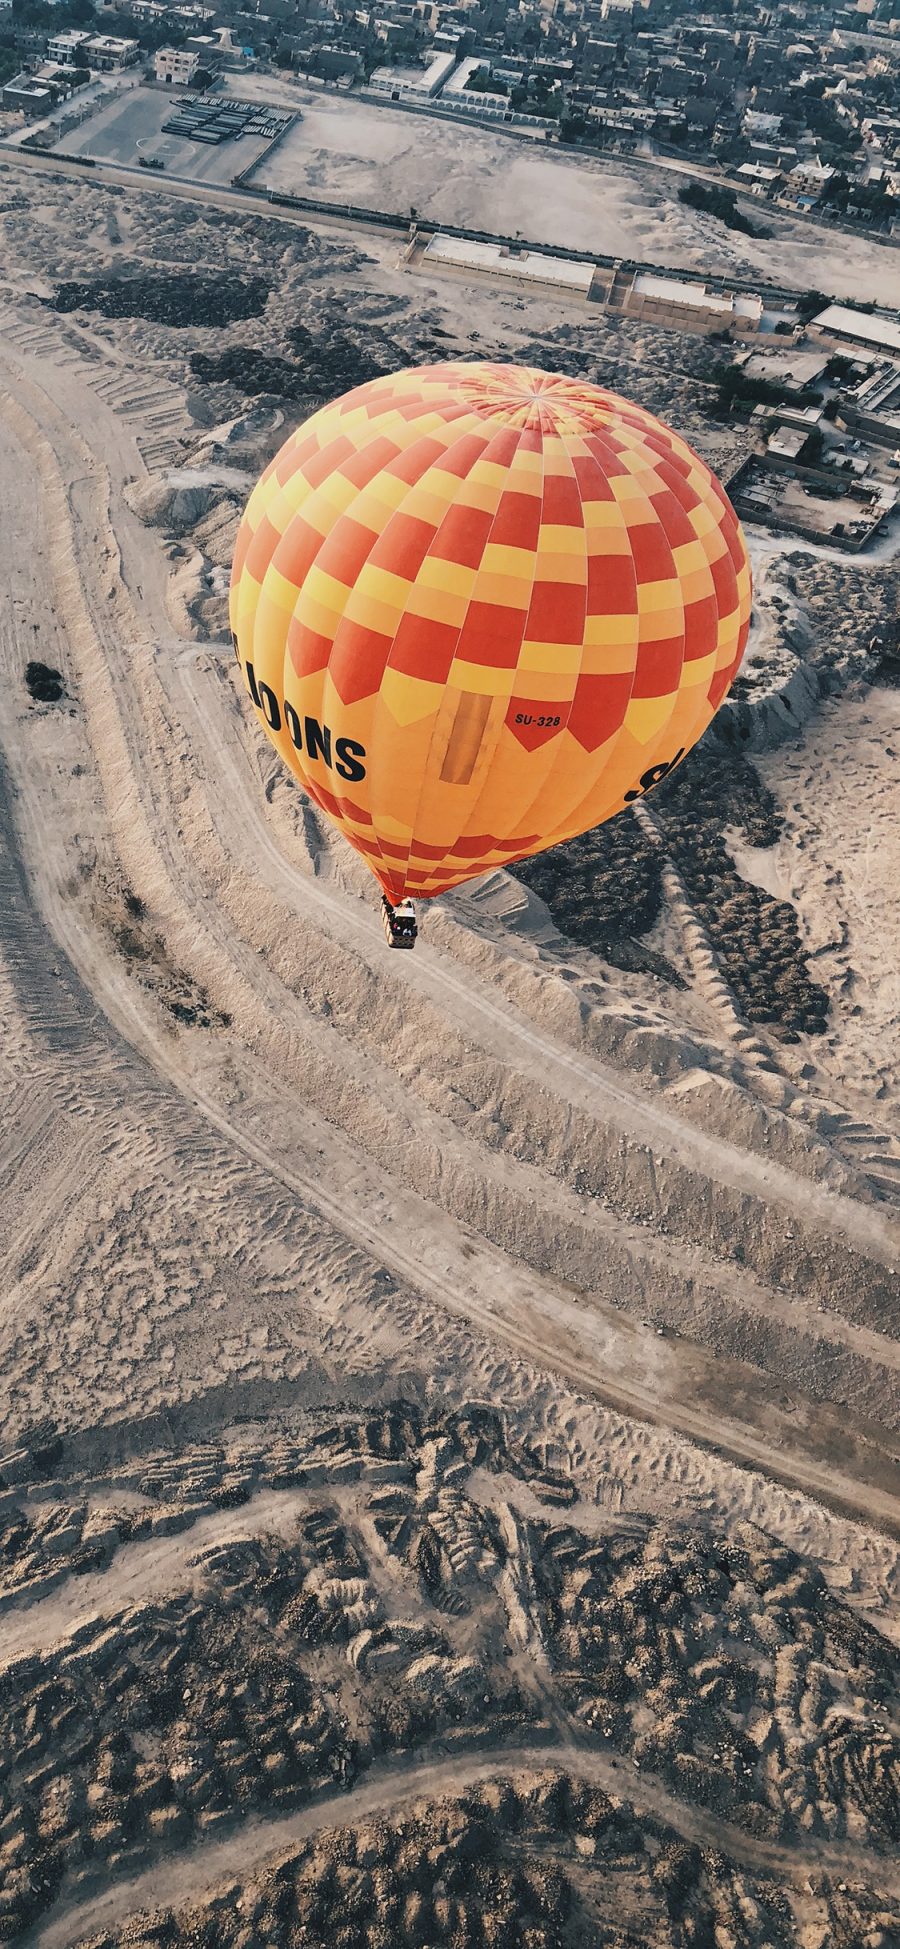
(68, 50)
(767, 127)
(459, 80)
(858, 328)
(176, 65)
(108, 51)
(426, 81)
(809, 178)
(531, 267)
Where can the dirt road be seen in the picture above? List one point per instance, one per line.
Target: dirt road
(391, 1789)
(169, 787)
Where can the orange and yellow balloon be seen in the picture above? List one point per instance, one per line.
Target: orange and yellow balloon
(479, 609)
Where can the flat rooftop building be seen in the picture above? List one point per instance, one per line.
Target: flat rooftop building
(108, 51)
(792, 368)
(68, 50)
(427, 81)
(520, 266)
(176, 65)
(859, 328)
(691, 307)
(787, 441)
(27, 96)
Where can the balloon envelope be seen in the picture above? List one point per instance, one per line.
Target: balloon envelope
(481, 608)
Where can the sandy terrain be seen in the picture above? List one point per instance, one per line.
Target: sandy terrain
(837, 864)
(265, 1180)
(361, 152)
(348, 150)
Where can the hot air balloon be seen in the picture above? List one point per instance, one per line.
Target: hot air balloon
(480, 608)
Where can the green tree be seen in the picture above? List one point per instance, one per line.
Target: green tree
(809, 303)
(738, 393)
(571, 126)
(717, 201)
(483, 82)
(836, 193)
(37, 13)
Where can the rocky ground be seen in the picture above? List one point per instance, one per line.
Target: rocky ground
(451, 1411)
(381, 1606)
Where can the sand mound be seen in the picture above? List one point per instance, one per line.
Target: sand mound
(173, 505)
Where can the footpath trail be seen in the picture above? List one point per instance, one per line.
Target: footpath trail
(391, 1789)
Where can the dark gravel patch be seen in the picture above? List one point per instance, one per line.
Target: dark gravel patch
(756, 938)
(178, 299)
(604, 891)
(44, 685)
(324, 368)
(252, 374)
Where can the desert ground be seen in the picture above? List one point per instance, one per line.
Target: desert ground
(366, 153)
(450, 1466)
(344, 149)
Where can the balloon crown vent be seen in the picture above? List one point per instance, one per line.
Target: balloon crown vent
(522, 395)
